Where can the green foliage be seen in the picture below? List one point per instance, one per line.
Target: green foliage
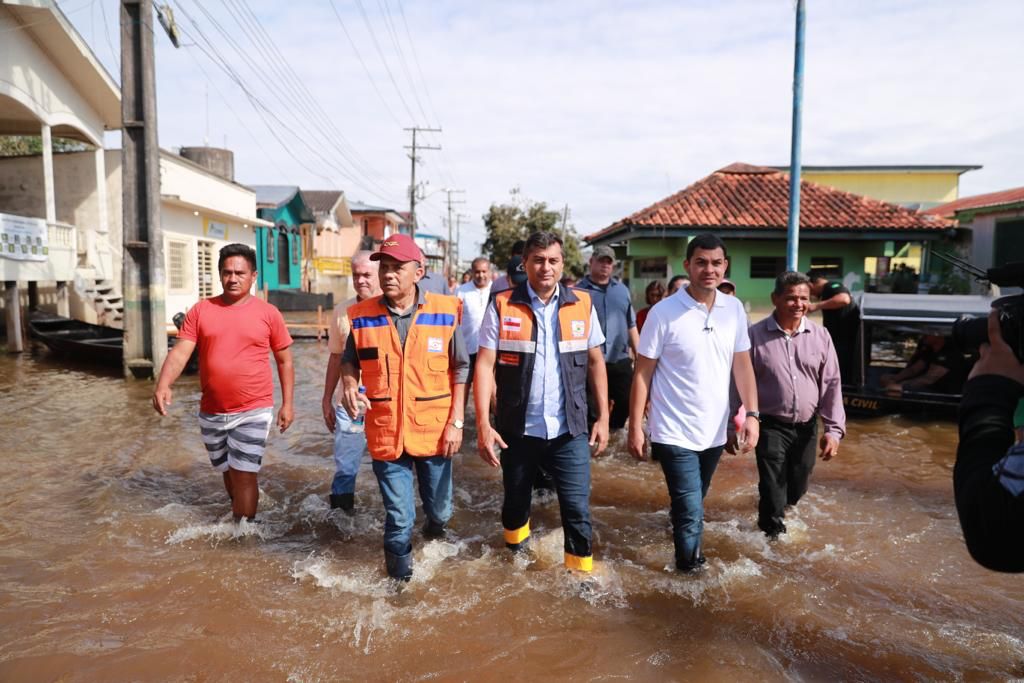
(25, 145)
(516, 220)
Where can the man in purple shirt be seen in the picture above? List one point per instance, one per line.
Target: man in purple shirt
(797, 375)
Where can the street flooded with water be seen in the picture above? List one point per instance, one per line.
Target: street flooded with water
(118, 561)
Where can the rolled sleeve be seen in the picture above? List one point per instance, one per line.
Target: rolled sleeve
(488, 338)
(458, 358)
(596, 333)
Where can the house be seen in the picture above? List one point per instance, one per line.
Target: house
(865, 242)
(57, 229)
(375, 223)
(914, 186)
(995, 223)
(279, 246)
(330, 242)
(434, 248)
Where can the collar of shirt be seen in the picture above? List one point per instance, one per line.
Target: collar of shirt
(775, 325)
(689, 302)
(420, 300)
(536, 299)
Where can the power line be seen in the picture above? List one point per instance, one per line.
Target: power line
(412, 183)
(384, 61)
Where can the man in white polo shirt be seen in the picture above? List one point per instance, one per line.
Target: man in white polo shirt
(474, 296)
(691, 344)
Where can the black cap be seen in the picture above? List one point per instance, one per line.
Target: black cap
(516, 273)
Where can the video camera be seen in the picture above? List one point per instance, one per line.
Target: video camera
(970, 332)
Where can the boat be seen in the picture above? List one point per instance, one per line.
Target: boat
(96, 344)
(890, 326)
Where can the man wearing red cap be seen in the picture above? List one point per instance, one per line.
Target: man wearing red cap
(407, 345)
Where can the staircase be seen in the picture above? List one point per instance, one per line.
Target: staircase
(99, 300)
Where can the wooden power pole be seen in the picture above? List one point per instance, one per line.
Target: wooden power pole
(145, 333)
(412, 182)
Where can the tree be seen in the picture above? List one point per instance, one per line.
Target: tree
(518, 219)
(24, 145)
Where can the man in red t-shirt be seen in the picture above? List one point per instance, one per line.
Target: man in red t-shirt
(235, 333)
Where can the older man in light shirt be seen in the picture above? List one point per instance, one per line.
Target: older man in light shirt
(474, 296)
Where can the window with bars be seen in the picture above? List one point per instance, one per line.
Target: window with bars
(766, 267)
(656, 267)
(830, 266)
(295, 249)
(178, 270)
(271, 244)
(205, 268)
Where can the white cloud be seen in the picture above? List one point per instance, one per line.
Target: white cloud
(609, 106)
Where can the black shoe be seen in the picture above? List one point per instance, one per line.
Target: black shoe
(343, 501)
(694, 568)
(435, 530)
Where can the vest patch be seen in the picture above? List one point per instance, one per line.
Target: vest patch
(508, 359)
(579, 328)
(435, 344)
(511, 324)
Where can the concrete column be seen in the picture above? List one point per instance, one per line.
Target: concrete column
(63, 304)
(103, 224)
(12, 310)
(51, 201)
(33, 296)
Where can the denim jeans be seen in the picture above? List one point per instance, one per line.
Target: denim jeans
(688, 475)
(567, 460)
(434, 476)
(348, 453)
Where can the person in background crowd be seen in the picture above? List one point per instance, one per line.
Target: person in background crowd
(433, 282)
(236, 333)
(676, 283)
(797, 376)
(937, 366)
(349, 443)
(407, 346)
(474, 296)
(988, 478)
(467, 276)
(691, 345)
(841, 317)
(541, 343)
(727, 287)
(654, 293)
(568, 281)
(614, 307)
(504, 282)
(453, 284)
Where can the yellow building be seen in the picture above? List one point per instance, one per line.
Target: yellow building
(915, 187)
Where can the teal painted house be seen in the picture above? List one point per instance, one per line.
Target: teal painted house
(279, 249)
(869, 244)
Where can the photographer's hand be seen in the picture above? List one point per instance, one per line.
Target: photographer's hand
(997, 358)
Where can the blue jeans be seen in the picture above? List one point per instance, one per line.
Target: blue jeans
(688, 475)
(348, 452)
(567, 460)
(434, 476)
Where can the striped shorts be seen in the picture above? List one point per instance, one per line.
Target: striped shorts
(236, 440)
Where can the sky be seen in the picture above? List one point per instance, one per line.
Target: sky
(599, 105)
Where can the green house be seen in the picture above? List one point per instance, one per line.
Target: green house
(279, 249)
(868, 244)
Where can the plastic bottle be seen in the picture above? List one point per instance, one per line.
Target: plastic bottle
(359, 423)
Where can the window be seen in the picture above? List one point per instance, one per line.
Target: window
(1009, 242)
(205, 263)
(178, 271)
(271, 244)
(830, 266)
(651, 267)
(767, 267)
(295, 250)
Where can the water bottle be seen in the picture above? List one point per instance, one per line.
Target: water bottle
(358, 424)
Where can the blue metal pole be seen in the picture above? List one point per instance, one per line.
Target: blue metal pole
(793, 227)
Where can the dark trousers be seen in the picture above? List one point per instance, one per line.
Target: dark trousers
(620, 381)
(785, 458)
(567, 460)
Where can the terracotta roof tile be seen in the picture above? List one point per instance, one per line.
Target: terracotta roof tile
(742, 196)
(979, 201)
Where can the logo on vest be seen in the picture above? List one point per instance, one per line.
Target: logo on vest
(579, 328)
(435, 344)
(510, 324)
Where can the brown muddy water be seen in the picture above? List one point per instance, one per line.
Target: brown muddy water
(117, 563)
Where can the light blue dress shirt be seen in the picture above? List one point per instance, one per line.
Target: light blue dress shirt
(545, 407)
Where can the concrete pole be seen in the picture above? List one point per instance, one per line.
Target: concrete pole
(793, 226)
(103, 219)
(51, 201)
(12, 310)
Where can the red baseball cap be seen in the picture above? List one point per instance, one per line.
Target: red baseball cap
(400, 247)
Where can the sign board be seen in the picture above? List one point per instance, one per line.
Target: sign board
(215, 229)
(23, 239)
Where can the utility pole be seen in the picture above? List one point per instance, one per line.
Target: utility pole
(412, 182)
(458, 236)
(793, 227)
(565, 219)
(448, 251)
(145, 334)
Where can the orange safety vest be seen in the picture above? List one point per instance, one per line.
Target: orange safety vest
(410, 389)
(516, 353)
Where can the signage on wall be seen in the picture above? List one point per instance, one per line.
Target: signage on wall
(215, 229)
(23, 239)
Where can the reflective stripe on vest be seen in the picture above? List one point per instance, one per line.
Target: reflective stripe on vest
(410, 389)
(516, 355)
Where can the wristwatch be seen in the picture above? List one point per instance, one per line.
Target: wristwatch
(458, 424)
(754, 414)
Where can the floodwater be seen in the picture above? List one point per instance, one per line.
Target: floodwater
(118, 562)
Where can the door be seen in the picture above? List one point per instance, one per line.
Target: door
(284, 260)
